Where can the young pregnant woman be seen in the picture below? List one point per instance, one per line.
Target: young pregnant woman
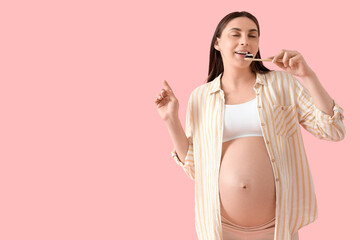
(243, 144)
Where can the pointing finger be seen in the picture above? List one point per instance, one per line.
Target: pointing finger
(167, 86)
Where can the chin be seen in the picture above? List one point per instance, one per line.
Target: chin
(242, 65)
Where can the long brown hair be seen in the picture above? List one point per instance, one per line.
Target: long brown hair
(216, 64)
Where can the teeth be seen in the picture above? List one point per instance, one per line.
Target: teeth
(242, 52)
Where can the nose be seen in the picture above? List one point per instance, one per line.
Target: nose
(243, 41)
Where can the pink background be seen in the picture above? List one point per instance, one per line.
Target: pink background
(83, 151)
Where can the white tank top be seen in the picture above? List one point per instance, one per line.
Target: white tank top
(241, 120)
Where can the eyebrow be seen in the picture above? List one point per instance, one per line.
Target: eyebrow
(238, 29)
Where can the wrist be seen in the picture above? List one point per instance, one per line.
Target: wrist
(172, 120)
(310, 76)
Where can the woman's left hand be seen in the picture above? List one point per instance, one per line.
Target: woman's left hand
(292, 62)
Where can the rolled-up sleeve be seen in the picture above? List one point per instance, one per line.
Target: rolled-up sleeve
(188, 164)
(315, 121)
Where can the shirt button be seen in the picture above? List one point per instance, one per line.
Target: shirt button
(273, 160)
(282, 108)
(277, 179)
(257, 94)
(262, 124)
(267, 142)
(259, 106)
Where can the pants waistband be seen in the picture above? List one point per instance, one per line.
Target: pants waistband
(268, 224)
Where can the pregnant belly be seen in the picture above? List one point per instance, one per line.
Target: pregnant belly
(246, 182)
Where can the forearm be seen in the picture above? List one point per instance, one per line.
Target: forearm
(178, 137)
(321, 98)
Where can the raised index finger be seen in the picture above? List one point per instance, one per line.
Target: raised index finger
(168, 88)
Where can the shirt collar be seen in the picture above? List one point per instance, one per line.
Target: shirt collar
(215, 84)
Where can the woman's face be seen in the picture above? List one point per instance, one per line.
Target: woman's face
(240, 34)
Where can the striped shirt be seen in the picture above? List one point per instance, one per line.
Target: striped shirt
(283, 105)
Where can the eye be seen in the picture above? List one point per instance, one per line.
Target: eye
(252, 36)
(235, 35)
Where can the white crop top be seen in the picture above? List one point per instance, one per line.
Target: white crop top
(241, 120)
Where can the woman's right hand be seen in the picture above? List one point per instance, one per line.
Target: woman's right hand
(167, 103)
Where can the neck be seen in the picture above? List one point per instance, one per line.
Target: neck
(237, 78)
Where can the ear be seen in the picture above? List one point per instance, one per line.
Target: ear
(216, 45)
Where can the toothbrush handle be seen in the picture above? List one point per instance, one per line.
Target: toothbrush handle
(265, 60)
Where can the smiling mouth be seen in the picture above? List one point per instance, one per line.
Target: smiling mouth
(242, 53)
